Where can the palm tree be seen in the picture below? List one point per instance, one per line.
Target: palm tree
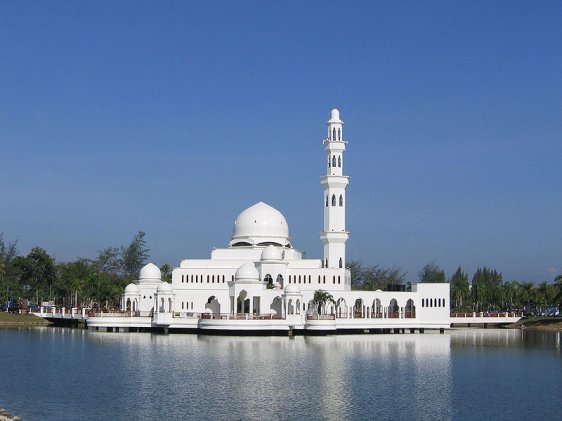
(322, 297)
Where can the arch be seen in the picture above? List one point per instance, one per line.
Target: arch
(277, 306)
(377, 309)
(341, 308)
(334, 134)
(339, 134)
(339, 161)
(298, 306)
(439, 302)
(242, 302)
(410, 309)
(358, 309)
(290, 307)
(341, 264)
(333, 200)
(443, 302)
(268, 280)
(170, 305)
(162, 307)
(334, 161)
(327, 200)
(329, 161)
(279, 280)
(324, 279)
(393, 309)
(128, 305)
(341, 199)
(213, 305)
(213, 279)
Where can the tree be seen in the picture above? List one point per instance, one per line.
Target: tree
(134, 256)
(486, 289)
(431, 273)
(371, 278)
(166, 270)
(460, 289)
(322, 297)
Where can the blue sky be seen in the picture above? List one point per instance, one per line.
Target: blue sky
(172, 117)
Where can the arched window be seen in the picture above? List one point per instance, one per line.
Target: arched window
(333, 200)
(196, 278)
(339, 161)
(289, 278)
(439, 302)
(207, 278)
(443, 302)
(341, 263)
(268, 279)
(318, 278)
(334, 161)
(339, 279)
(232, 278)
(334, 279)
(334, 134)
(326, 263)
(213, 279)
(191, 278)
(279, 279)
(339, 134)
(324, 279)
(299, 279)
(329, 161)
(309, 279)
(326, 201)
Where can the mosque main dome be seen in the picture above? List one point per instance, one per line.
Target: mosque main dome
(260, 225)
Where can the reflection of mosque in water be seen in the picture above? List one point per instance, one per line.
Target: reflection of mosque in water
(266, 376)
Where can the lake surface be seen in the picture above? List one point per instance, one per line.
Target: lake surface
(56, 373)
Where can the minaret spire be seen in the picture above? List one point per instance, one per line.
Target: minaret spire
(334, 183)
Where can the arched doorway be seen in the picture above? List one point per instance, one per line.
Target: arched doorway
(277, 307)
(341, 308)
(377, 309)
(393, 310)
(358, 311)
(213, 305)
(410, 310)
(242, 302)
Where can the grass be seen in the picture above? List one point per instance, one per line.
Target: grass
(539, 323)
(9, 319)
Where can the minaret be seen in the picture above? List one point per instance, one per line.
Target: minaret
(334, 183)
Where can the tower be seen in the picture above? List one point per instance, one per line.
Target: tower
(334, 184)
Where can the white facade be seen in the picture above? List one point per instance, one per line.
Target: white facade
(261, 282)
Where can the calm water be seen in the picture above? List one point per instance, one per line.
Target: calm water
(54, 373)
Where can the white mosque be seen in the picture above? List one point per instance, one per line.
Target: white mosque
(261, 283)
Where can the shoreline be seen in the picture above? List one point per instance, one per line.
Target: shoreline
(551, 324)
(21, 320)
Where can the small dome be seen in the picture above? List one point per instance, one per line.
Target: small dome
(334, 116)
(292, 289)
(271, 253)
(164, 287)
(150, 272)
(132, 289)
(260, 224)
(247, 272)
